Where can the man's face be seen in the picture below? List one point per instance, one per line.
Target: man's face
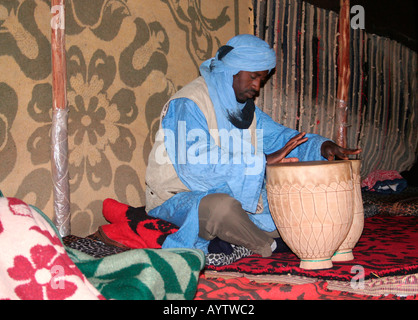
(247, 84)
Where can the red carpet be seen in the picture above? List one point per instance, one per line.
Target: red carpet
(244, 289)
(387, 247)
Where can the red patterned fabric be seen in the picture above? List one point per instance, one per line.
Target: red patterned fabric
(388, 246)
(244, 289)
(133, 227)
(33, 262)
(380, 180)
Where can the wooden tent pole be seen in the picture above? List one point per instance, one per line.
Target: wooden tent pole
(59, 133)
(340, 135)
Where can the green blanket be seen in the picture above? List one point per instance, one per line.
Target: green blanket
(39, 266)
(143, 274)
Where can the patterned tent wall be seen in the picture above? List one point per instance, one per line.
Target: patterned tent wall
(382, 106)
(125, 58)
(384, 116)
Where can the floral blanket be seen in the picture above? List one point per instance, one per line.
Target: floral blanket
(35, 265)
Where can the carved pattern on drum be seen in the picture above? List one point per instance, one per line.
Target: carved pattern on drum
(313, 219)
(345, 251)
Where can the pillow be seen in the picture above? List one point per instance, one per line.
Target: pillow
(34, 264)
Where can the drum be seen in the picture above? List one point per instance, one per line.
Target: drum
(345, 251)
(311, 204)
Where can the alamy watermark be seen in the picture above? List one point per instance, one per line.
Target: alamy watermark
(57, 280)
(357, 281)
(197, 147)
(358, 20)
(58, 18)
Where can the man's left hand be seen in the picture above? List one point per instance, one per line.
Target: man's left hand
(331, 151)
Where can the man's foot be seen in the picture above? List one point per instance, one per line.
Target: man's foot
(279, 246)
(217, 245)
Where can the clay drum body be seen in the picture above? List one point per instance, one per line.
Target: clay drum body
(345, 251)
(312, 206)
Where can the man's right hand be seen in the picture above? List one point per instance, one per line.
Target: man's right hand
(280, 155)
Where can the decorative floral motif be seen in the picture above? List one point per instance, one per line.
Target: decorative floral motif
(146, 53)
(23, 39)
(38, 272)
(96, 15)
(97, 121)
(189, 17)
(53, 239)
(84, 220)
(19, 208)
(38, 267)
(8, 110)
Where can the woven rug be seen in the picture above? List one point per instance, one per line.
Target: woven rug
(244, 289)
(404, 203)
(387, 247)
(92, 246)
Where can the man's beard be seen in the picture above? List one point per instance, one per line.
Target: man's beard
(243, 118)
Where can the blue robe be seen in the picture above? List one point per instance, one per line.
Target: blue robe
(207, 168)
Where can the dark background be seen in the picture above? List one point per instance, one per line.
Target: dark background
(395, 19)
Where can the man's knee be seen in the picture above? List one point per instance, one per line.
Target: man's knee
(217, 212)
(220, 206)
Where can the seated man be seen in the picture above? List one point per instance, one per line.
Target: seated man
(206, 171)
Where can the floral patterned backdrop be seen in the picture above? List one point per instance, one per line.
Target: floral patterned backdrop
(125, 58)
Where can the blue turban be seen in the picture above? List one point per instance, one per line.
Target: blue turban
(242, 53)
(249, 53)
